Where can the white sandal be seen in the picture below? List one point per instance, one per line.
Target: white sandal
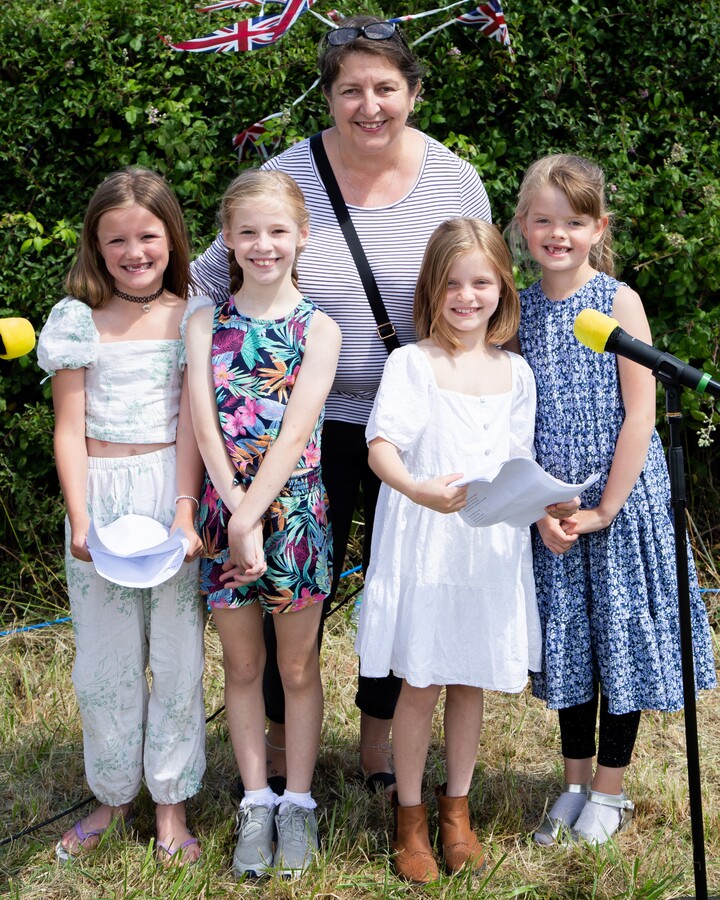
(555, 830)
(625, 809)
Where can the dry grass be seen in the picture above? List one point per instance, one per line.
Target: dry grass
(41, 773)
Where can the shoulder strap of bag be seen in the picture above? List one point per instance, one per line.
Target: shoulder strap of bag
(385, 329)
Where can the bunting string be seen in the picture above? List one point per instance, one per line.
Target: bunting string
(265, 29)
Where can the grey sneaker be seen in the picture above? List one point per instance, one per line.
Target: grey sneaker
(297, 840)
(255, 828)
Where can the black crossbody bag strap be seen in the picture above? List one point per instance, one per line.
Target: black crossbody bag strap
(385, 329)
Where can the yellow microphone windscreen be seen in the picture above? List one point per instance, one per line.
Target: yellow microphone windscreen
(593, 328)
(17, 337)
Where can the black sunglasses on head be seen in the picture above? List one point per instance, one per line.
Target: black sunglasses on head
(376, 31)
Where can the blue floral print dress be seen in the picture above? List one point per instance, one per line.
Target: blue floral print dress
(255, 363)
(609, 606)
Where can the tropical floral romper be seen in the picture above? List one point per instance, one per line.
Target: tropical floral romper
(255, 363)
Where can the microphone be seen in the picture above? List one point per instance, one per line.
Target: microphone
(17, 337)
(600, 333)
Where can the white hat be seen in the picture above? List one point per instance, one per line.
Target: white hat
(136, 551)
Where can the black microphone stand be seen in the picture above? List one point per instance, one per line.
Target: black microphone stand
(676, 467)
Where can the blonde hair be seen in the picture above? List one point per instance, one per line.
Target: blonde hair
(449, 241)
(250, 186)
(583, 183)
(88, 279)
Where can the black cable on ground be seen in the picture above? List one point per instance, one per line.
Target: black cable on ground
(71, 809)
(66, 812)
(342, 603)
(26, 831)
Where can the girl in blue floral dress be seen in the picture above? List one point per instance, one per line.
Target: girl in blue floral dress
(605, 578)
(260, 368)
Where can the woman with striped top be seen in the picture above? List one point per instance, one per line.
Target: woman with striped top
(399, 185)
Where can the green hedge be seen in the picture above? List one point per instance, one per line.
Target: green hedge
(87, 86)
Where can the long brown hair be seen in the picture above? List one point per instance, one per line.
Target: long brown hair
(583, 183)
(88, 279)
(250, 186)
(449, 241)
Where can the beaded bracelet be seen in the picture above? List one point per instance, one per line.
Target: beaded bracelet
(188, 497)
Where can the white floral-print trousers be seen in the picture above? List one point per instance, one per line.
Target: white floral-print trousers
(130, 730)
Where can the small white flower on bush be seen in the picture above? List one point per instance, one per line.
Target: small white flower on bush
(678, 154)
(154, 115)
(675, 239)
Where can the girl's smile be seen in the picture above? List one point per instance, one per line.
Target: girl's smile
(559, 237)
(266, 240)
(136, 248)
(473, 292)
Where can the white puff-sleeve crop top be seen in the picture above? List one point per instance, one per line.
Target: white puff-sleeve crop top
(132, 388)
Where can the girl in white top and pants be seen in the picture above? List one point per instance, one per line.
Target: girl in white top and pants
(124, 444)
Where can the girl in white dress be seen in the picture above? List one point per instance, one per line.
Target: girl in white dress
(446, 604)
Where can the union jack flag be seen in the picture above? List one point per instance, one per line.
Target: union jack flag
(490, 19)
(250, 34)
(245, 142)
(236, 4)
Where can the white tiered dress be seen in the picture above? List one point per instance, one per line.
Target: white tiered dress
(445, 603)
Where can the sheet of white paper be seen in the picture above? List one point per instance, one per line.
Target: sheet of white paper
(515, 492)
(136, 551)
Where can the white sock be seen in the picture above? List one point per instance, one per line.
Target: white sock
(567, 808)
(305, 800)
(263, 797)
(596, 823)
(565, 811)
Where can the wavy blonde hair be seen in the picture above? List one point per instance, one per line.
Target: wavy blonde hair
(583, 183)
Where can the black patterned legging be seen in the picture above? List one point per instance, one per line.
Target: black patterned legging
(616, 736)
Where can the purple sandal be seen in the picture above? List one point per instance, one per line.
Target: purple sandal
(65, 856)
(172, 853)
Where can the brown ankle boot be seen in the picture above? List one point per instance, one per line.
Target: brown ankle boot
(413, 859)
(459, 844)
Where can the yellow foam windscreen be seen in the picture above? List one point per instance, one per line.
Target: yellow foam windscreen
(17, 337)
(593, 328)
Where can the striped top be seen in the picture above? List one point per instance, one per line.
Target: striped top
(394, 239)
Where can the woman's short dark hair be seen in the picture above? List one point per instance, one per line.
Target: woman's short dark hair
(394, 51)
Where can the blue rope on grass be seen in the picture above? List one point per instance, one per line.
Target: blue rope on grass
(68, 618)
(34, 627)
(344, 575)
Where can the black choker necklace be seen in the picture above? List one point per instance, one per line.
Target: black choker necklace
(146, 300)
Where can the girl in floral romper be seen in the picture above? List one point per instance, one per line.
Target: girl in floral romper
(261, 366)
(124, 444)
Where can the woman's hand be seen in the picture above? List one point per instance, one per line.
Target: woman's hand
(438, 495)
(554, 536)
